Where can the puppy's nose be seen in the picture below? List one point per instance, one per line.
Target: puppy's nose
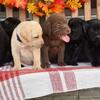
(42, 41)
(69, 30)
(98, 37)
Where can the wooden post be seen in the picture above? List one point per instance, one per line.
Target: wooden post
(98, 9)
(75, 14)
(87, 10)
(22, 15)
(9, 12)
(36, 18)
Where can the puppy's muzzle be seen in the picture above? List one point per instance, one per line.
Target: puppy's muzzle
(39, 43)
(98, 37)
(42, 42)
(68, 30)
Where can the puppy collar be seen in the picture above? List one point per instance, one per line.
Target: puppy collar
(21, 40)
(18, 38)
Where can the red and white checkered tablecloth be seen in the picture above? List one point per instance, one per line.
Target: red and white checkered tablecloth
(27, 83)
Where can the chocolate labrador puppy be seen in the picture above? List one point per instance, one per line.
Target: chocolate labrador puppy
(55, 34)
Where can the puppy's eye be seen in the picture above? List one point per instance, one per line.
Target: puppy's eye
(36, 37)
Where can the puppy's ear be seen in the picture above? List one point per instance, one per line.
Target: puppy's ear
(24, 36)
(84, 26)
(70, 22)
(46, 28)
(25, 33)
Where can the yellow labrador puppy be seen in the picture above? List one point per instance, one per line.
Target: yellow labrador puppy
(26, 43)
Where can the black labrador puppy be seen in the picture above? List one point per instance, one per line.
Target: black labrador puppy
(76, 49)
(6, 29)
(9, 25)
(93, 36)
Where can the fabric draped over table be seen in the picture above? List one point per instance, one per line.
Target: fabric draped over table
(27, 83)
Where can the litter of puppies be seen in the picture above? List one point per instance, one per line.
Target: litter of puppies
(56, 41)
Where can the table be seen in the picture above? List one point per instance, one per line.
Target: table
(27, 83)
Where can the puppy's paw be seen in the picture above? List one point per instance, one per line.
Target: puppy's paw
(61, 64)
(37, 68)
(71, 63)
(46, 65)
(16, 68)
